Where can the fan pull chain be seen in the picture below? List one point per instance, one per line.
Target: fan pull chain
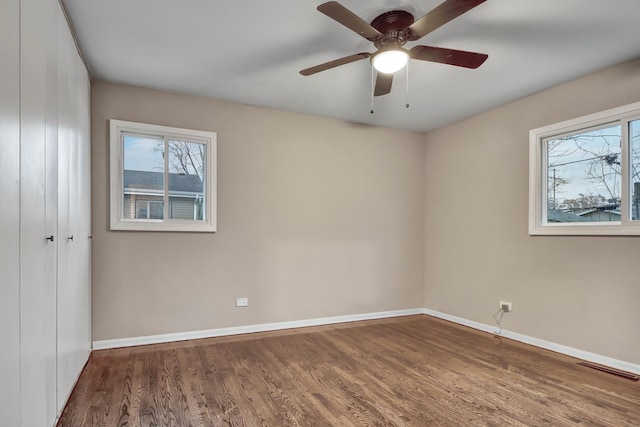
(372, 89)
(407, 81)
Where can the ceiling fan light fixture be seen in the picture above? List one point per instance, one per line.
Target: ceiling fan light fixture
(390, 61)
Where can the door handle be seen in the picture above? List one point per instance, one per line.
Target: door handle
(70, 238)
(50, 238)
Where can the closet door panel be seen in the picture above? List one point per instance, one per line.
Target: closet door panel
(51, 212)
(65, 294)
(74, 338)
(34, 248)
(83, 266)
(9, 212)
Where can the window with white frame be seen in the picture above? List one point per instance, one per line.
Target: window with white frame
(162, 178)
(584, 175)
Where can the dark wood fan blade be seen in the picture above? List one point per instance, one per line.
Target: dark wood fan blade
(459, 58)
(335, 63)
(439, 16)
(341, 14)
(383, 84)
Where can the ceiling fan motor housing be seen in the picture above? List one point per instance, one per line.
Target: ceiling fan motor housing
(393, 27)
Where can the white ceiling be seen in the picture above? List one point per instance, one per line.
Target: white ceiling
(250, 51)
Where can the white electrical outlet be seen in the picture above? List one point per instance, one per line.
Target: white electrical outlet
(506, 306)
(242, 302)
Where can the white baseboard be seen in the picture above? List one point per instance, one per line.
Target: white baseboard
(264, 327)
(236, 330)
(548, 345)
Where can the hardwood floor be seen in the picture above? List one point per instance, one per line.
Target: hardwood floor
(409, 371)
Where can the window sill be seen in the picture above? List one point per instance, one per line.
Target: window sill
(609, 229)
(176, 226)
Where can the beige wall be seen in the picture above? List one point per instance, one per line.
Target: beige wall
(316, 217)
(578, 291)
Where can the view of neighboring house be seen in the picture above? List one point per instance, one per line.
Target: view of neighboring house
(598, 214)
(603, 213)
(554, 215)
(143, 195)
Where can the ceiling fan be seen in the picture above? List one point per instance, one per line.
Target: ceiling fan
(390, 31)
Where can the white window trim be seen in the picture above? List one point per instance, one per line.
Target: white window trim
(117, 222)
(537, 176)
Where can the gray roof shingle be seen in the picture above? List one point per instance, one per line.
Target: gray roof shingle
(559, 216)
(145, 180)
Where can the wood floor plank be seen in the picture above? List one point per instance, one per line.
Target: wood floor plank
(410, 371)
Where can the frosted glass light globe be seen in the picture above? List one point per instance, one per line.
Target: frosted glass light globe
(390, 61)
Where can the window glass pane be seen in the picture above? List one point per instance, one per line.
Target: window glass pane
(151, 208)
(186, 179)
(634, 145)
(143, 176)
(584, 176)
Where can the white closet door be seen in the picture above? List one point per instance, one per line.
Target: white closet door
(51, 213)
(9, 212)
(82, 331)
(65, 294)
(74, 339)
(34, 248)
(44, 184)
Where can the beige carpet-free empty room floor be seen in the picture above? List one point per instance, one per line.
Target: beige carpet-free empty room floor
(408, 371)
